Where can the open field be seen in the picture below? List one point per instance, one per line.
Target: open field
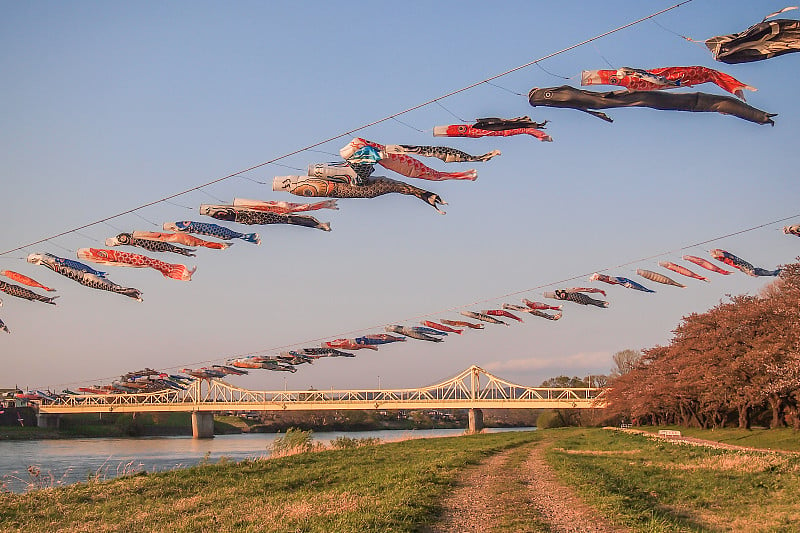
(636, 483)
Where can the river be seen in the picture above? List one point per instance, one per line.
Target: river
(65, 461)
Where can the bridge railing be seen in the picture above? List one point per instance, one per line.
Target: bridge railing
(472, 386)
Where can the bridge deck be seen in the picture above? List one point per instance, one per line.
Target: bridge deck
(474, 388)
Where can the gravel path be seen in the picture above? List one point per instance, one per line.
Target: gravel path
(478, 501)
(471, 507)
(558, 504)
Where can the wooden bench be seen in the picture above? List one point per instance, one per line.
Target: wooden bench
(668, 433)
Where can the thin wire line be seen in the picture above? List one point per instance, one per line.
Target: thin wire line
(359, 128)
(597, 49)
(110, 226)
(552, 74)
(323, 152)
(85, 236)
(676, 33)
(178, 205)
(287, 166)
(443, 107)
(207, 194)
(253, 180)
(501, 87)
(51, 243)
(407, 125)
(145, 219)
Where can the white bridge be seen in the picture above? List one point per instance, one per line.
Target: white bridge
(473, 389)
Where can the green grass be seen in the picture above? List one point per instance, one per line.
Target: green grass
(27, 433)
(516, 513)
(390, 487)
(774, 439)
(659, 486)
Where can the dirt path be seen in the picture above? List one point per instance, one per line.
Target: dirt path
(506, 493)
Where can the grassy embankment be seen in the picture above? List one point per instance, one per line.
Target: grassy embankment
(773, 439)
(394, 486)
(652, 485)
(645, 484)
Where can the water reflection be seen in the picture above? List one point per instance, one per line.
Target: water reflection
(72, 460)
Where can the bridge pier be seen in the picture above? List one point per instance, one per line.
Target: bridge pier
(48, 421)
(202, 425)
(475, 421)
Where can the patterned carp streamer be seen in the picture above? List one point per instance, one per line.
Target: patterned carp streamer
(483, 317)
(577, 297)
(325, 352)
(705, 263)
(440, 327)
(737, 262)
(3, 327)
(378, 338)
(252, 216)
(501, 312)
(541, 306)
(127, 239)
(338, 172)
(25, 280)
(590, 290)
(788, 230)
(84, 278)
(462, 324)
(760, 41)
(495, 127)
(283, 208)
(659, 278)
(127, 259)
(404, 164)
(682, 270)
(347, 344)
(588, 101)
(448, 155)
(429, 331)
(212, 230)
(412, 332)
(617, 280)
(25, 294)
(258, 363)
(534, 312)
(664, 78)
(77, 266)
(180, 238)
(372, 187)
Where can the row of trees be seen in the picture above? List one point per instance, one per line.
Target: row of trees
(735, 363)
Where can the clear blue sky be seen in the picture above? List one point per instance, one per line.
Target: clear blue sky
(106, 106)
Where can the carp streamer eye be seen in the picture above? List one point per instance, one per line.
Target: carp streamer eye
(548, 94)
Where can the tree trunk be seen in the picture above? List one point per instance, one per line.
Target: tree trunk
(776, 404)
(744, 416)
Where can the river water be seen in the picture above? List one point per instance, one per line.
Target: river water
(65, 461)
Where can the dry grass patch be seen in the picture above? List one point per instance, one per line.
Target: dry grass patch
(597, 452)
(325, 504)
(734, 462)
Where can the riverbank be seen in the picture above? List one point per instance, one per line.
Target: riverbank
(633, 482)
(179, 424)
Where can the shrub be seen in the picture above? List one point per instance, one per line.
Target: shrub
(294, 441)
(341, 442)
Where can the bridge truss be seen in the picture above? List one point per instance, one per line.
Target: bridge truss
(473, 388)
